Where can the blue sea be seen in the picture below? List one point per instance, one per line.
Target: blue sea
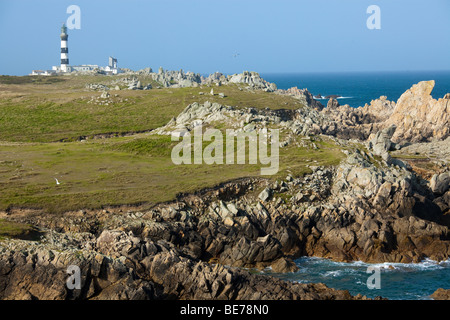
(359, 88)
(398, 281)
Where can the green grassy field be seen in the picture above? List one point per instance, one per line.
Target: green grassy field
(40, 123)
(59, 110)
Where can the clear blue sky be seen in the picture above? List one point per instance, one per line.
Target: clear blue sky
(204, 35)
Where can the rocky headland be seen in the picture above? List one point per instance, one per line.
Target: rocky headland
(374, 206)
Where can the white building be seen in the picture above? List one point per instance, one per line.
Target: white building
(42, 73)
(111, 68)
(85, 67)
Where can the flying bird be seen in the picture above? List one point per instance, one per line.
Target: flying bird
(236, 55)
(57, 182)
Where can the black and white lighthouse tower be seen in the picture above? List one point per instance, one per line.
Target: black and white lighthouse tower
(64, 49)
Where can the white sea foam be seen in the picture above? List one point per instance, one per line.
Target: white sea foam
(426, 264)
(323, 98)
(302, 281)
(334, 274)
(399, 280)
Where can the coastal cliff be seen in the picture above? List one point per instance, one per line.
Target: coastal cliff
(375, 205)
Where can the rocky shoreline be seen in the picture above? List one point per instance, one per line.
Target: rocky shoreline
(371, 207)
(132, 254)
(173, 251)
(124, 267)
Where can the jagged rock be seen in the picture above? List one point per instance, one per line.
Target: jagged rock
(435, 149)
(441, 294)
(284, 265)
(28, 271)
(201, 281)
(145, 71)
(105, 95)
(265, 194)
(254, 80)
(440, 183)
(347, 122)
(333, 103)
(382, 140)
(249, 127)
(176, 79)
(246, 252)
(383, 194)
(37, 273)
(303, 95)
(419, 117)
(256, 120)
(97, 87)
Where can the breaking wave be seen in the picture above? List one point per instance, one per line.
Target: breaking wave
(401, 281)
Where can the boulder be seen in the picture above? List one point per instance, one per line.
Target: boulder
(381, 142)
(265, 194)
(105, 95)
(332, 103)
(441, 294)
(440, 183)
(284, 265)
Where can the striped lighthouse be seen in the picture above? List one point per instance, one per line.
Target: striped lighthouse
(64, 49)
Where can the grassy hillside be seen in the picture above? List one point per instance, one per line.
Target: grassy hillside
(62, 109)
(40, 124)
